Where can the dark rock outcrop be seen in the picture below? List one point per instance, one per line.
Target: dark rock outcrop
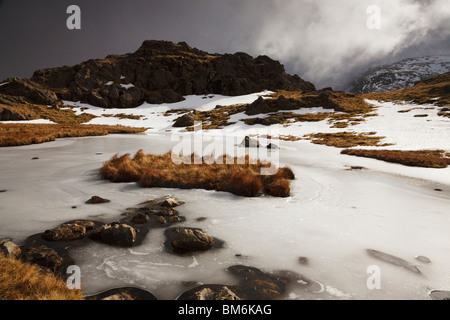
(158, 72)
(314, 100)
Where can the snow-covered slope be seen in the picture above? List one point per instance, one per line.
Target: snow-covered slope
(401, 74)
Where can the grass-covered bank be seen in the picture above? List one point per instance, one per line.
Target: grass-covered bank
(19, 134)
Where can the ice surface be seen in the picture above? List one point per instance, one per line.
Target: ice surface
(332, 217)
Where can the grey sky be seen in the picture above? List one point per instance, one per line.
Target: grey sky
(324, 41)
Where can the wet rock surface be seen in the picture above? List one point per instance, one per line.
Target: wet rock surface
(393, 260)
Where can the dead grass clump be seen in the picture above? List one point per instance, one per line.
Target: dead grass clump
(240, 176)
(422, 158)
(346, 139)
(25, 134)
(23, 281)
(123, 116)
(279, 188)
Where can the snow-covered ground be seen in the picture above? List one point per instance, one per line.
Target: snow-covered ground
(332, 217)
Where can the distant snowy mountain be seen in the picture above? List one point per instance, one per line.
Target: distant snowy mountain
(401, 74)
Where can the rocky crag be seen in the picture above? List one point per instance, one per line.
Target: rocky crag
(158, 72)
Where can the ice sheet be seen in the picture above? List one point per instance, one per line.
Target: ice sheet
(332, 217)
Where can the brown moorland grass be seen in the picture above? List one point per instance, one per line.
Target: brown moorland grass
(23, 281)
(421, 158)
(160, 171)
(346, 139)
(33, 111)
(25, 134)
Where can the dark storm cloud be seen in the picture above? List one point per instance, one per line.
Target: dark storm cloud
(325, 41)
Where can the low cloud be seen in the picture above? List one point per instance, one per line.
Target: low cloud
(328, 41)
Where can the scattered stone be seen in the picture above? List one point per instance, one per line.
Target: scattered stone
(393, 260)
(174, 219)
(303, 260)
(97, 200)
(9, 249)
(2, 191)
(74, 207)
(272, 146)
(170, 203)
(249, 143)
(164, 212)
(423, 259)
(210, 292)
(161, 220)
(421, 116)
(65, 232)
(44, 257)
(190, 240)
(35, 158)
(115, 234)
(201, 219)
(188, 120)
(140, 218)
(357, 168)
(438, 190)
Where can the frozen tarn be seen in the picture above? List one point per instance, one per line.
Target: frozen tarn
(333, 216)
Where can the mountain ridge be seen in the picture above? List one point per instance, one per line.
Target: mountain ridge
(158, 72)
(401, 74)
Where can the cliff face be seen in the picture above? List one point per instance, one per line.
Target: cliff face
(158, 72)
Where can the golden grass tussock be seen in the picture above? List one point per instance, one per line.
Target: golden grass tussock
(240, 176)
(26, 134)
(346, 139)
(421, 158)
(23, 281)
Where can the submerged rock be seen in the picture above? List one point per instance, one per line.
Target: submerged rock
(210, 292)
(127, 293)
(115, 234)
(140, 218)
(9, 249)
(423, 259)
(393, 260)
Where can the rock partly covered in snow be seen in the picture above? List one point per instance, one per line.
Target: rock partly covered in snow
(116, 234)
(401, 74)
